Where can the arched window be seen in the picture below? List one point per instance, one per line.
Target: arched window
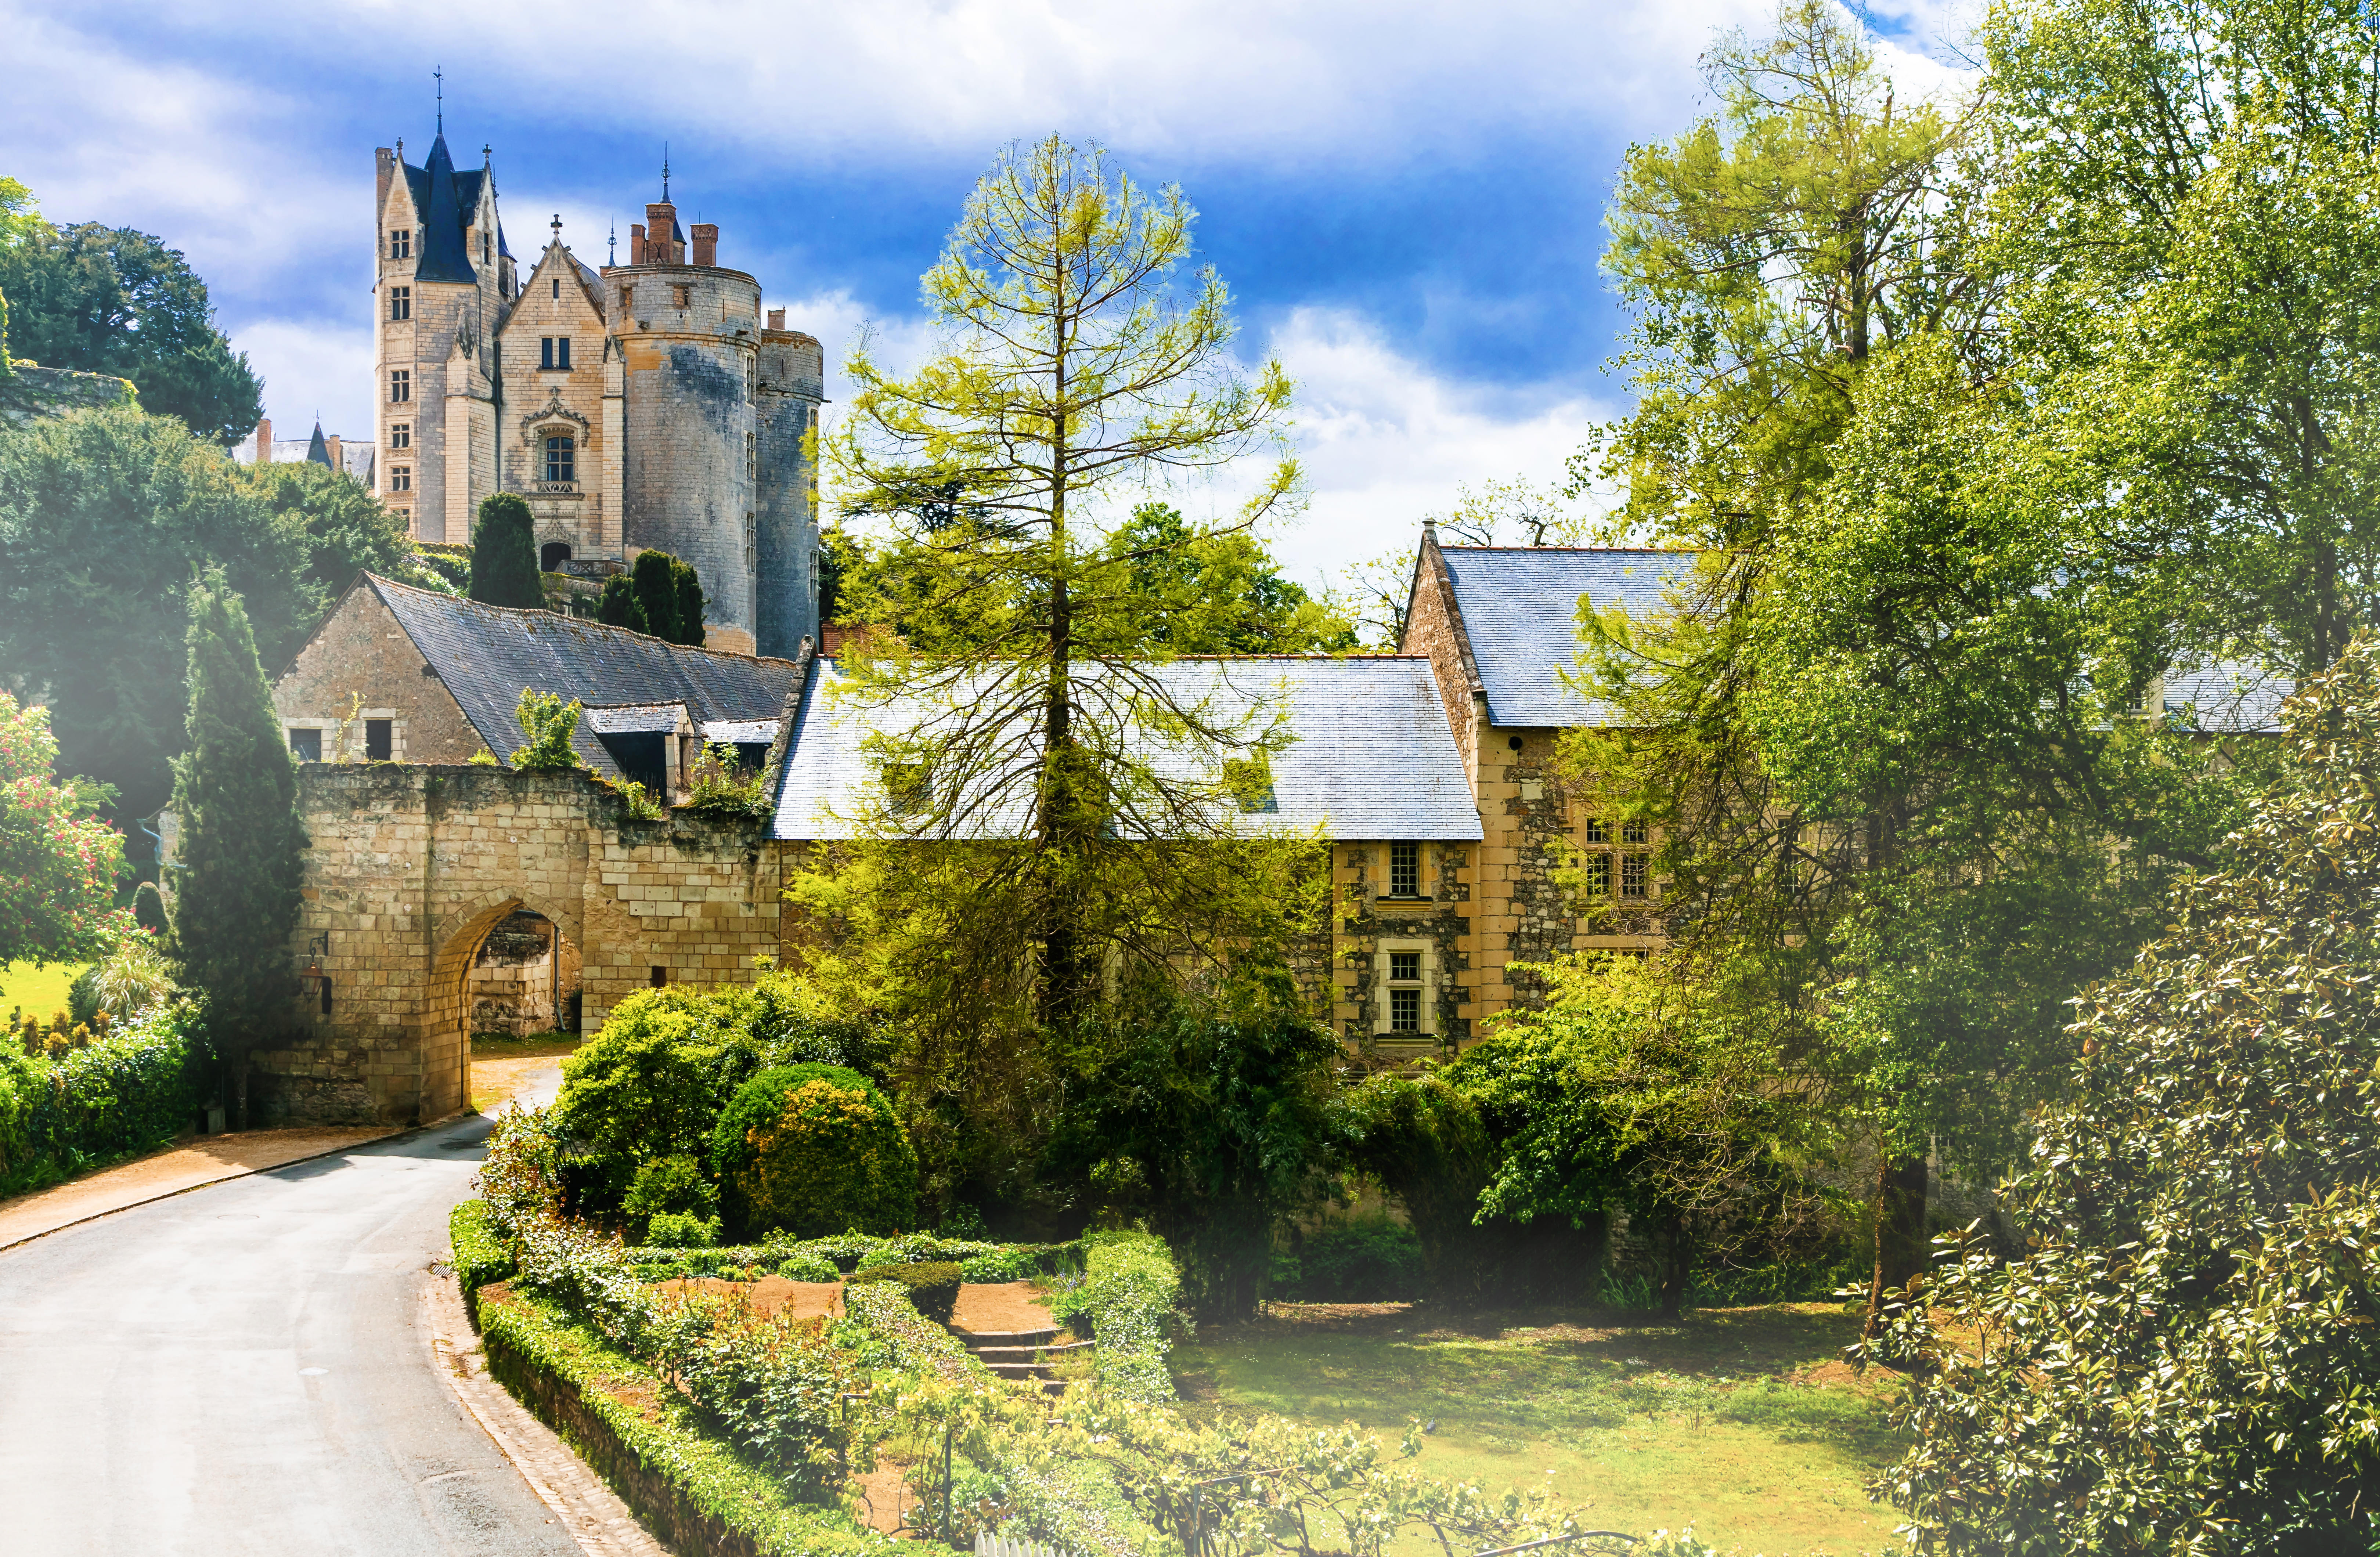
(562, 458)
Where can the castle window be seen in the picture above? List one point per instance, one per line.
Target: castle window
(400, 385)
(751, 548)
(751, 457)
(400, 478)
(685, 296)
(750, 375)
(1403, 971)
(553, 353)
(400, 243)
(400, 303)
(557, 289)
(306, 745)
(562, 458)
(1404, 1010)
(1632, 832)
(484, 255)
(1599, 832)
(380, 740)
(400, 435)
(1404, 870)
(1635, 875)
(1599, 875)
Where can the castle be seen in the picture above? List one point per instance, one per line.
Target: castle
(643, 406)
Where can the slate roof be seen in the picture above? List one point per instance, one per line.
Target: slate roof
(638, 718)
(1372, 756)
(1519, 609)
(741, 733)
(2228, 699)
(443, 196)
(487, 654)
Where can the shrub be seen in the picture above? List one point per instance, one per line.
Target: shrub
(644, 1086)
(548, 725)
(1366, 1260)
(720, 786)
(479, 1254)
(1127, 1301)
(881, 1255)
(128, 981)
(92, 1105)
(670, 1185)
(807, 1266)
(933, 1287)
(503, 553)
(671, 1230)
(815, 1149)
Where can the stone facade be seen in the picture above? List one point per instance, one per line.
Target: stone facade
(636, 408)
(412, 867)
(360, 666)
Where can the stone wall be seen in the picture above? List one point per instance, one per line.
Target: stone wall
(409, 869)
(785, 582)
(29, 393)
(1367, 924)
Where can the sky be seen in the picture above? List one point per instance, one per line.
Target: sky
(1405, 199)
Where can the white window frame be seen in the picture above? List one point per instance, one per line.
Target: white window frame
(1381, 986)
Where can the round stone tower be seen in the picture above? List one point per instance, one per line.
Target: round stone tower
(689, 341)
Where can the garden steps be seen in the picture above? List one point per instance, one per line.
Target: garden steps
(1021, 1355)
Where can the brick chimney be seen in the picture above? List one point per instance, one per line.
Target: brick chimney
(332, 440)
(661, 222)
(776, 318)
(706, 243)
(636, 243)
(264, 441)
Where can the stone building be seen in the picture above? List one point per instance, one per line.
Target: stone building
(644, 406)
(328, 449)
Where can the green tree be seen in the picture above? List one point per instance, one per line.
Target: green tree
(690, 602)
(1074, 372)
(113, 300)
(1218, 593)
(655, 577)
(2180, 1356)
(548, 727)
(18, 221)
(348, 530)
(235, 899)
(618, 606)
(503, 553)
(105, 516)
(57, 861)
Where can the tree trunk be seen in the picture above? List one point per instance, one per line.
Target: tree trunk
(1677, 1262)
(1901, 1245)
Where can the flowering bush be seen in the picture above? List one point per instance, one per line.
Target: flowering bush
(58, 863)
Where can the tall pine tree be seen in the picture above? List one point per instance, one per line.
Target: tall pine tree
(504, 554)
(655, 576)
(236, 791)
(689, 603)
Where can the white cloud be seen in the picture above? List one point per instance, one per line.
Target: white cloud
(312, 370)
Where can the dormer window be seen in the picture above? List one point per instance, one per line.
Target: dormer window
(553, 354)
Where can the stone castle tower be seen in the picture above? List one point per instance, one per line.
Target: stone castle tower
(643, 406)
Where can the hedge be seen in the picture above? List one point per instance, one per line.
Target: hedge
(1128, 1298)
(480, 1253)
(933, 1287)
(658, 1457)
(93, 1106)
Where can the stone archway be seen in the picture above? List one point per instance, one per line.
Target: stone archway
(446, 1003)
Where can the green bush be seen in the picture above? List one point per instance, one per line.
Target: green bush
(889, 1254)
(480, 1252)
(672, 1184)
(1364, 1260)
(1020, 1261)
(92, 1106)
(1127, 1301)
(815, 1149)
(671, 1230)
(807, 1266)
(933, 1287)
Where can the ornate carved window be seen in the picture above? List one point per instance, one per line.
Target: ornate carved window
(560, 458)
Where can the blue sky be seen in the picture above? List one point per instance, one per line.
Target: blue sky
(1406, 198)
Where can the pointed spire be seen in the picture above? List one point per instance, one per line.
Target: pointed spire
(440, 72)
(664, 173)
(611, 246)
(318, 452)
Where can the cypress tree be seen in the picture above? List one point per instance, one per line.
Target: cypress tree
(655, 579)
(234, 909)
(503, 553)
(617, 606)
(689, 603)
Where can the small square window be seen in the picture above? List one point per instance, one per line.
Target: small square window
(1404, 1010)
(659, 978)
(400, 244)
(306, 745)
(1404, 967)
(1599, 832)
(1632, 832)
(1404, 870)
(400, 302)
(400, 478)
(400, 435)
(380, 740)
(400, 385)
(1635, 872)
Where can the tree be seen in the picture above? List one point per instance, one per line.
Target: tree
(104, 518)
(689, 603)
(1208, 593)
(57, 861)
(113, 300)
(1072, 371)
(2180, 1356)
(236, 899)
(654, 574)
(348, 530)
(503, 553)
(18, 221)
(618, 606)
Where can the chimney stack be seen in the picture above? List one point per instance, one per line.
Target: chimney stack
(337, 461)
(776, 318)
(662, 245)
(706, 243)
(264, 441)
(636, 243)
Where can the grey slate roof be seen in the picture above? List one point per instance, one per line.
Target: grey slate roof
(638, 718)
(1520, 608)
(487, 654)
(741, 733)
(2228, 699)
(444, 198)
(1373, 757)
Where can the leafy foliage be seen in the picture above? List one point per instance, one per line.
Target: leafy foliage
(1127, 1300)
(503, 553)
(89, 1106)
(2181, 1358)
(721, 786)
(814, 1149)
(58, 863)
(548, 725)
(236, 901)
(675, 1185)
(347, 529)
(933, 1285)
(113, 300)
(1364, 1260)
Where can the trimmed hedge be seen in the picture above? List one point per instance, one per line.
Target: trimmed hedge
(807, 1267)
(480, 1254)
(933, 1287)
(1127, 1300)
(89, 1107)
(814, 1149)
(892, 1333)
(694, 1489)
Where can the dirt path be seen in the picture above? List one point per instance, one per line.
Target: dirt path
(185, 1166)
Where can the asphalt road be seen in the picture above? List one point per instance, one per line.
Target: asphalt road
(244, 1368)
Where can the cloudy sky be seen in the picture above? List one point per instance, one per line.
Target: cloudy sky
(1406, 198)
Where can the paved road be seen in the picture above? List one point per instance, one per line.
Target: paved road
(243, 1369)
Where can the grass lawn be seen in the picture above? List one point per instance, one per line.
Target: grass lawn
(41, 991)
(1739, 1421)
(501, 1066)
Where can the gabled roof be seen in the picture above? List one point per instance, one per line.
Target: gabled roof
(1519, 609)
(1371, 755)
(2227, 698)
(487, 654)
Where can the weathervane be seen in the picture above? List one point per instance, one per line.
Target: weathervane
(664, 173)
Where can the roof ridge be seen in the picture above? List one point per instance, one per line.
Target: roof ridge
(1644, 551)
(573, 621)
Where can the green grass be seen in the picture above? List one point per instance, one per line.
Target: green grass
(1742, 1422)
(41, 991)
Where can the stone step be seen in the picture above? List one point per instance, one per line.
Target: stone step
(1026, 1354)
(1020, 1370)
(972, 1339)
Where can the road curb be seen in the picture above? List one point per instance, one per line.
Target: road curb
(406, 1133)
